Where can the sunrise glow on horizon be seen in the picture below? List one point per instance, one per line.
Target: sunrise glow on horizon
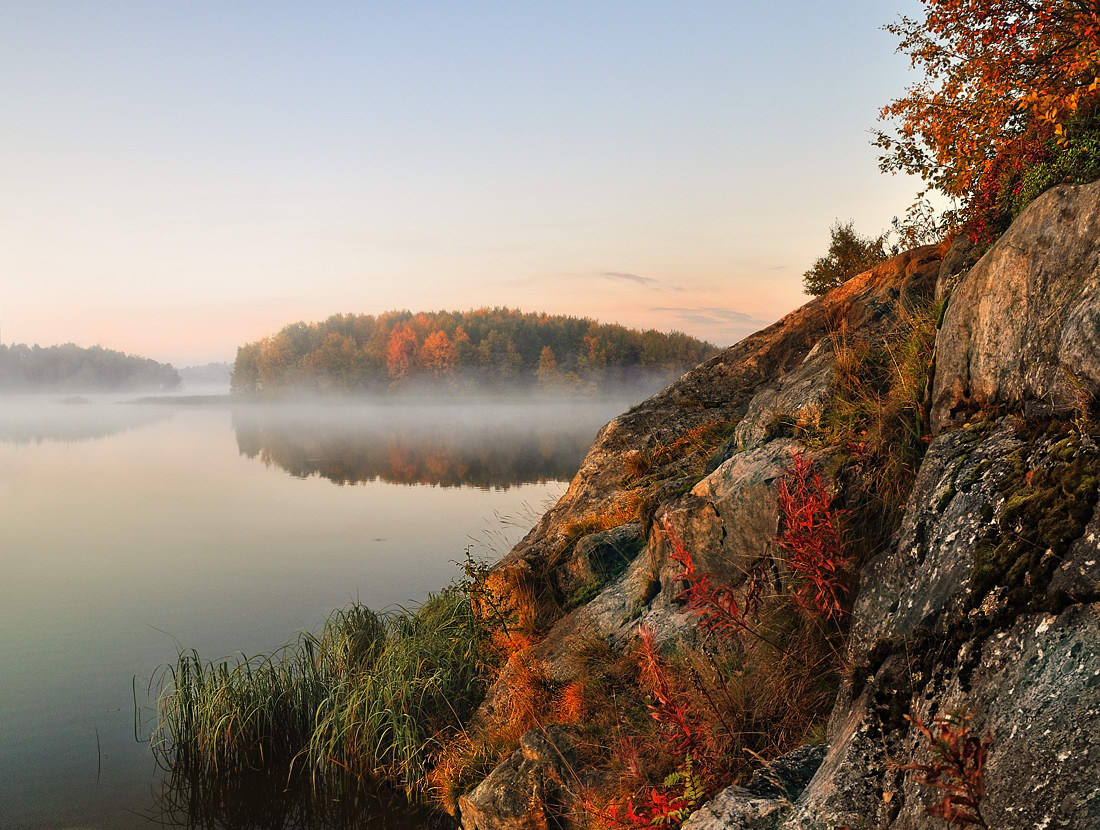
(180, 180)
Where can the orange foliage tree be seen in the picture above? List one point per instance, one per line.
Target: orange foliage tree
(401, 351)
(489, 348)
(437, 355)
(994, 71)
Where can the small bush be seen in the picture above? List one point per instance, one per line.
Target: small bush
(849, 254)
(1029, 166)
(877, 413)
(956, 769)
(811, 537)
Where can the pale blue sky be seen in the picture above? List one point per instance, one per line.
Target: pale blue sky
(178, 178)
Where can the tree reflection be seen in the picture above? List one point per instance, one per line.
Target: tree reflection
(37, 422)
(492, 446)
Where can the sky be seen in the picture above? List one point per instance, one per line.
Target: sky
(177, 179)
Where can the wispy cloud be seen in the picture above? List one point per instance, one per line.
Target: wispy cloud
(715, 322)
(709, 314)
(625, 277)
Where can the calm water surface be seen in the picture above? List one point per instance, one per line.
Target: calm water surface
(128, 529)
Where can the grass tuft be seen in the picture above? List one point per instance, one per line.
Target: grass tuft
(372, 698)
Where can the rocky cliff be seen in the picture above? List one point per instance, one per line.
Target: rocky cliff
(950, 410)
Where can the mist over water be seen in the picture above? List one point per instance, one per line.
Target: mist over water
(131, 528)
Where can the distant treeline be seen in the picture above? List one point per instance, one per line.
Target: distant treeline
(70, 368)
(210, 373)
(496, 349)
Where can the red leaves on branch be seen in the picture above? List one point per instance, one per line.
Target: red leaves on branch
(992, 70)
(811, 536)
(716, 606)
(665, 809)
(957, 769)
(666, 709)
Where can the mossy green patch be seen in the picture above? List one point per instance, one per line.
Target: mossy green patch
(1045, 510)
(974, 475)
(945, 497)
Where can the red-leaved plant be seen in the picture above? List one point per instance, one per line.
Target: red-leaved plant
(812, 539)
(957, 768)
(715, 605)
(666, 709)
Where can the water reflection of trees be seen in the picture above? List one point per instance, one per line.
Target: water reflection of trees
(23, 422)
(449, 446)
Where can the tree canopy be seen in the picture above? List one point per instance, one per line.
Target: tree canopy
(74, 369)
(1001, 81)
(481, 350)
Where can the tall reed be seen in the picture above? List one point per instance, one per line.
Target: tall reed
(370, 698)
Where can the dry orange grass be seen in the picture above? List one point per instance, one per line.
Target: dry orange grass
(526, 693)
(570, 703)
(509, 599)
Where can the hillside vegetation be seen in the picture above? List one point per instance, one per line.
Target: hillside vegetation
(480, 350)
(70, 368)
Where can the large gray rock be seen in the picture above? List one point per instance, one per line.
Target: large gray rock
(735, 808)
(925, 576)
(729, 520)
(931, 636)
(1033, 688)
(786, 777)
(1024, 323)
(766, 800)
(598, 559)
(718, 394)
(959, 259)
(795, 395)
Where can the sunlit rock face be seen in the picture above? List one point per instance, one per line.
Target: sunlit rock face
(1024, 323)
(783, 368)
(951, 618)
(987, 600)
(723, 504)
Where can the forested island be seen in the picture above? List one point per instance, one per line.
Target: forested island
(483, 350)
(72, 368)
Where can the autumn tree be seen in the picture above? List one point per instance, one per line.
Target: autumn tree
(994, 73)
(401, 351)
(511, 362)
(593, 357)
(548, 373)
(490, 347)
(339, 358)
(464, 350)
(849, 254)
(245, 379)
(70, 367)
(437, 355)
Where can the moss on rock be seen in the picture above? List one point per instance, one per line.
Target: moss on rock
(1045, 510)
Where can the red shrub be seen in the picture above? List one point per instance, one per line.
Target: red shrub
(957, 769)
(715, 605)
(667, 807)
(811, 537)
(671, 713)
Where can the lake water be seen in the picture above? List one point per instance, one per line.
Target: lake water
(129, 529)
